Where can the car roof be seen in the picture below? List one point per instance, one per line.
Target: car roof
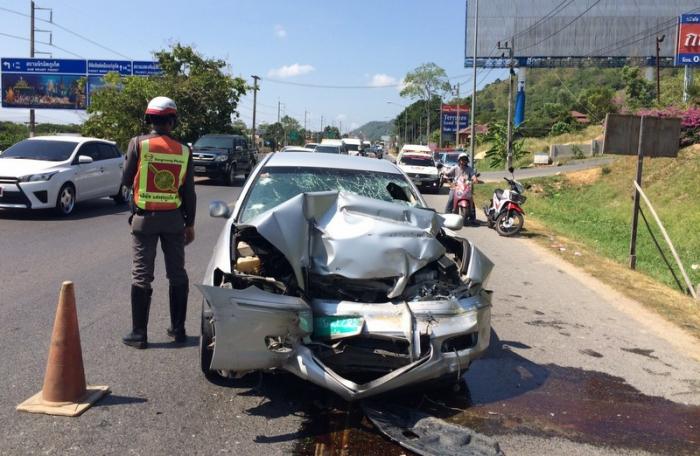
(331, 161)
(73, 139)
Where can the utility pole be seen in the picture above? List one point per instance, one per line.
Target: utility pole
(509, 141)
(305, 124)
(32, 119)
(457, 119)
(659, 40)
(278, 110)
(255, 101)
(33, 51)
(321, 135)
(687, 82)
(472, 142)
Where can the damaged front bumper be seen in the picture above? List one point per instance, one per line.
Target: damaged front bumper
(258, 330)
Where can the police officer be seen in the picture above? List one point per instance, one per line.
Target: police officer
(159, 169)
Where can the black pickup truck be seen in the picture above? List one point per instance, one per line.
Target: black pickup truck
(224, 157)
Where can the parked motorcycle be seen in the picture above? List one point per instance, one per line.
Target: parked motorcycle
(505, 212)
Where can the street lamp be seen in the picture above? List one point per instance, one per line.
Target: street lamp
(405, 118)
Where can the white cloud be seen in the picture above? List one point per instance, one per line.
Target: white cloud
(380, 80)
(341, 117)
(280, 32)
(288, 71)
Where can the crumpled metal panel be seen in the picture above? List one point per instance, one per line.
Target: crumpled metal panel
(352, 236)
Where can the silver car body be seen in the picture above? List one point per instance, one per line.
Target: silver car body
(434, 318)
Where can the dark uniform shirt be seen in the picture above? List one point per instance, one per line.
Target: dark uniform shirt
(187, 194)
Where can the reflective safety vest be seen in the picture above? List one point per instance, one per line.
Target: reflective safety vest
(160, 174)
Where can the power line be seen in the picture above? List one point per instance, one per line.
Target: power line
(66, 29)
(632, 39)
(560, 7)
(520, 49)
(40, 42)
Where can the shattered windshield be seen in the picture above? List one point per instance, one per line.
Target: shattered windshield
(275, 185)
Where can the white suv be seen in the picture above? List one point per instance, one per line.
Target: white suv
(57, 171)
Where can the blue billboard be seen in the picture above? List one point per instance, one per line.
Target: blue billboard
(448, 121)
(102, 67)
(142, 68)
(49, 66)
(56, 83)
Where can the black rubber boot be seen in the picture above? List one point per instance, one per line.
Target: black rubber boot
(140, 307)
(178, 312)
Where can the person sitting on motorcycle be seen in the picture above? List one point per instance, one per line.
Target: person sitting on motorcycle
(462, 168)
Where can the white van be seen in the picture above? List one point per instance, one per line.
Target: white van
(353, 146)
(414, 149)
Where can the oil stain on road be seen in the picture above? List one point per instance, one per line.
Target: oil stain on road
(511, 395)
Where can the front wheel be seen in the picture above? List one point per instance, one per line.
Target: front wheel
(509, 223)
(122, 195)
(65, 201)
(231, 175)
(464, 214)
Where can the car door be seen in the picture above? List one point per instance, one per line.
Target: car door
(88, 176)
(113, 165)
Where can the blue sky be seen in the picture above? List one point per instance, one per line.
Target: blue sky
(352, 42)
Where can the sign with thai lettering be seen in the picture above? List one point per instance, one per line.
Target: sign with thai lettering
(688, 51)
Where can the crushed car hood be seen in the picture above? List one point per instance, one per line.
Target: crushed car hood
(352, 236)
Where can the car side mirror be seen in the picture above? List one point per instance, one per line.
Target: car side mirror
(239, 148)
(84, 159)
(439, 166)
(452, 222)
(219, 209)
(511, 169)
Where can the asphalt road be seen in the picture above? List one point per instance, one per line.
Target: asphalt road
(573, 368)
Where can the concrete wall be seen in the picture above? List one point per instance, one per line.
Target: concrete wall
(589, 149)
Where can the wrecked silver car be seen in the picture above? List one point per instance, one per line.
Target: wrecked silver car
(333, 268)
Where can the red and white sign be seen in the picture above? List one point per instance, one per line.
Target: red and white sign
(453, 108)
(688, 51)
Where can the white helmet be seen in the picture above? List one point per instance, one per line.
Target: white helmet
(161, 106)
(463, 155)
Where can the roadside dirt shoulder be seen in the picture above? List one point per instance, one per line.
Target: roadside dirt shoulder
(666, 312)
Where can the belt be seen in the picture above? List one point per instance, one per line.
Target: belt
(142, 212)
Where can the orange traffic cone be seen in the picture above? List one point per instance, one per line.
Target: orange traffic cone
(65, 392)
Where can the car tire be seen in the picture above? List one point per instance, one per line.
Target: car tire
(65, 201)
(230, 178)
(122, 195)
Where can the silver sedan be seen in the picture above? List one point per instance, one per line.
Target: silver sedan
(333, 268)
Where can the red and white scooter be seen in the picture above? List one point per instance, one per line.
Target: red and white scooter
(463, 203)
(505, 212)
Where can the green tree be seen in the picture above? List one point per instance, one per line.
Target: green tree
(272, 133)
(330, 132)
(497, 139)
(428, 82)
(597, 102)
(640, 92)
(206, 98)
(238, 127)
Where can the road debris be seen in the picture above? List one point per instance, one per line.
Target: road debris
(426, 435)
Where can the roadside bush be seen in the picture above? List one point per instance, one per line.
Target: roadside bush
(559, 128)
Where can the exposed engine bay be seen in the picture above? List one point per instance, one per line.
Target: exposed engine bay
(355, 294)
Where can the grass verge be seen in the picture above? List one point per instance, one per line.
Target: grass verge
(585, 217)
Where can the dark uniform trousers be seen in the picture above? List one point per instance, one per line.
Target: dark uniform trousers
(147, 227)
